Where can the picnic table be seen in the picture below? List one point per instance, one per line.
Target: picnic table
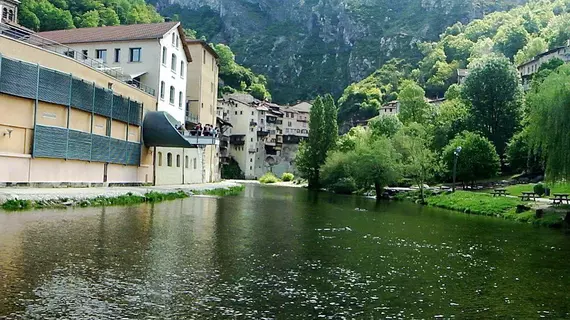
(499, 193)
(559, 198)
(526, 196)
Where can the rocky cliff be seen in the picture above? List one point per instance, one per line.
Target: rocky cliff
(309, 47)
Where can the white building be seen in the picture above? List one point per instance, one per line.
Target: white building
(9, 11)
(529, 68)
(156, 58)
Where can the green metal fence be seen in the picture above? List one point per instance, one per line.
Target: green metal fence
(32, 81)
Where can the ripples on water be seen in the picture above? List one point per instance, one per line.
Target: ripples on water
(278, 253)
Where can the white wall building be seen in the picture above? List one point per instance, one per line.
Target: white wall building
(529, 68)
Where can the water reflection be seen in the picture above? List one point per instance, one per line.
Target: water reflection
(277, 253)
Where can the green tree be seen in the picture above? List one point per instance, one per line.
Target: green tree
(89, 19)
(258, 91)
(532, 48)
(478, 158)
(384, 125)
(549, 122)
(450, 120)
(108, 17)
(330, 122)
(419, 163)
(312, 153)
(494, 94)
(511, 38)
(413, 106)
(520, 155)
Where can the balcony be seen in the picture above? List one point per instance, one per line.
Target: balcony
(262, 133)
(252, 150)
(237, 139)
(253, 124)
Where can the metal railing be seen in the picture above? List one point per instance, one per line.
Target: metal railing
(29, 37)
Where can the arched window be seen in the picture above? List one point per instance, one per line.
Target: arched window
(172, 95)
(4, 13)
(180, 99)
(159, 159)
(169, 159)
(181, 69)
(173, 64)
(178, 161)
(173, 35)
(162, 88)
(186, 162)
(11, 15)
(164, 55)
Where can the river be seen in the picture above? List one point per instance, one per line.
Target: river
(279, 253)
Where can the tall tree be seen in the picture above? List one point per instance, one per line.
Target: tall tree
(330, 122)
(413, 106)
(478, 158)
(494, 93)
(419, 162)
(549, 122)
(312, 153)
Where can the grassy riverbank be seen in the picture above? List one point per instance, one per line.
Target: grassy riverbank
(121, 200)
(487, 205)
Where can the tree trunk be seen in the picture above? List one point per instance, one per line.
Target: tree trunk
(378, 188)
(422, 198)
(314, 181)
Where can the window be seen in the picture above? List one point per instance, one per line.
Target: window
(241, 112)
(169, 159)
(180, 99)
(251, 139)
(250, 159)
(289, 123)
(186, 162)
(164, 55)
(177, 41)
(173, 63)
(202, 105)
(70, 53)
(173, 36)
(162, 88)
(178, 161)
(252, 115)
(213, 63)
(159, 159)
(5, 13)
(211, 87)
(204, 56)
(235, 113)
(117, 54)
(84, 54)
(135, 54)
(250, 129)
(101, 54)
(261, 121)
(194, 164)
(250, 168)
(181, 69)
(172, 95)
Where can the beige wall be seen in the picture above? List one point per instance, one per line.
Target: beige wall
(18, 114)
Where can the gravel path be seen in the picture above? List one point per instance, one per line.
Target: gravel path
(78, 194)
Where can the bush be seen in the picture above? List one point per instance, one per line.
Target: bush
(268, 178)
(287, 176)
(539, 189)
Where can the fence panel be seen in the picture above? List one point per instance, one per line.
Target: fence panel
(54, 87)
(133, 153)
(100, 148)
(103, 99)
(79, 145)
(50, 142)
(82, 95)
(18, 78)
(118, 151)
(120, 108)
(135, 113)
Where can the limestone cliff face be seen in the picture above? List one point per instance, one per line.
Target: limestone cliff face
(309, 47)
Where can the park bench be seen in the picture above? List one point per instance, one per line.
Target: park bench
(560, 198)
(526, 196)
(499, 193)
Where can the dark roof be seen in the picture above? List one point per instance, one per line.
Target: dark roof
(115, 33)
(540, 55)
(205, 45)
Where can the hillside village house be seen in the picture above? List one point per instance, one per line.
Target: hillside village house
(9, 11)
(156, 58)
(265, 136)
(529, 68)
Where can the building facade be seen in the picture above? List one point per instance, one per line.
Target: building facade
(529, 68)
(202, 97)
(61, 122)
(9, 11)
(265, 137)
(156, 58)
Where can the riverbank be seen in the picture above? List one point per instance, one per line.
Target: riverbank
(510, 208)
(33, 198)
(290, 184)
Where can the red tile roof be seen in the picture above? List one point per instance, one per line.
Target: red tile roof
(110, 33)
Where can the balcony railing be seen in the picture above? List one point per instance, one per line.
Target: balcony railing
(30, 38)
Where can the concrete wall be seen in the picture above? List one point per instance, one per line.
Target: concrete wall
(18, 114)
(188, 170)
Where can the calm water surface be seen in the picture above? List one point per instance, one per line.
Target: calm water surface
(278, 253)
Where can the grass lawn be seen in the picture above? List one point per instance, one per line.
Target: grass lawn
(485, 204)
(518, 189)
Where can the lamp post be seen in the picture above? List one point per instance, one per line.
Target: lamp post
(456, 156)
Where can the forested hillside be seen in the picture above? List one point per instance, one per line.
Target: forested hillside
(518, 34)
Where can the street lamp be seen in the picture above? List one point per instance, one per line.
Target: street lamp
(456, 155)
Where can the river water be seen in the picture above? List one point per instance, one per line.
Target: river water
(279, 253)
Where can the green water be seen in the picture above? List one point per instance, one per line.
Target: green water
(278, 253)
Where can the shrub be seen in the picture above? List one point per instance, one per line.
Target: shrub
(287, 176)
(268, 178)
(539, 189)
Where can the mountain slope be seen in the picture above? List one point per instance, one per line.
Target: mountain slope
(309, 47)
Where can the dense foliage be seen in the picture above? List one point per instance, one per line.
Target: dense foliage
(43, 15)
